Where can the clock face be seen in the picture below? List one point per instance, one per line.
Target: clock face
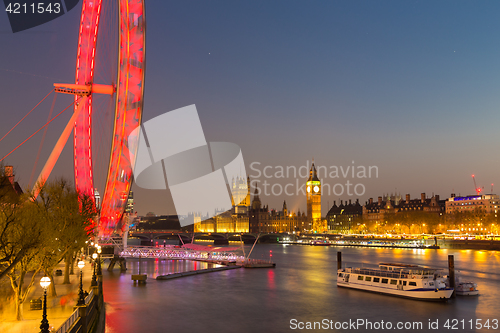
(309, 189)
(316, 189)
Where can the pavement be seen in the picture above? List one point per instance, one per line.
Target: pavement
(59, 308)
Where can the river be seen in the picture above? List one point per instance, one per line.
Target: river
(301, 290)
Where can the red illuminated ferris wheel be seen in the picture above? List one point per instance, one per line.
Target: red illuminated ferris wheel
(128, 90)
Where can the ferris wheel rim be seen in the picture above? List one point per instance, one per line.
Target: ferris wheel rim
(130, 76)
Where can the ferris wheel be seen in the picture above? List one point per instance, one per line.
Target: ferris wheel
(127, 89)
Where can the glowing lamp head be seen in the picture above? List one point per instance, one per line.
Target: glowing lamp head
(45, 282)
(99, 250)
(94, 256)
(81, 264)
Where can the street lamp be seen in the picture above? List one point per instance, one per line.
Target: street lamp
(94, 281)
(81, 296)
(99, 272)
(44, 326)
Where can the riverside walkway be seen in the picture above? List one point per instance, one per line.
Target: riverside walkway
(59, 308)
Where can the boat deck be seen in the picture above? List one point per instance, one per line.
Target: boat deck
(385, 273)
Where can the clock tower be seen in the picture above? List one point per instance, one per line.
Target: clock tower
(313, 193)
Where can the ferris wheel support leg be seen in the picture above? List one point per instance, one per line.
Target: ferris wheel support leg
(56, 152)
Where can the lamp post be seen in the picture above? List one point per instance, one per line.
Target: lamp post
(81, 296)
(94, 281)
(44, 326)
(99, 271)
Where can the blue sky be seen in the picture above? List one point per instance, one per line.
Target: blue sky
(408, 86)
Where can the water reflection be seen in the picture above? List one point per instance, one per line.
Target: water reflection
(303, 286)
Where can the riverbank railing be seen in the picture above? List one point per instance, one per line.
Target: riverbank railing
(89, 317)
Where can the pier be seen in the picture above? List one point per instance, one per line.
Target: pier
(191, 273)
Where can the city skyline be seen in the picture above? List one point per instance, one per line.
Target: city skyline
(407, 87)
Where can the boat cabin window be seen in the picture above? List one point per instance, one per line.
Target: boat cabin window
(394, 281)
(368, 278)
(411, 283)
(385, 280)
(341, 274)
(376, 279)
(404, 283)
(360, 277)
(431, 283)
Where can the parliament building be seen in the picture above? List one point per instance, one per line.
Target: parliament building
(252, 216)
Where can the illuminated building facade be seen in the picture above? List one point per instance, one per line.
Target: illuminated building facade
(256, 218)
(344, 218)
(393, 204)
(313, 194)
(271, 221)
(488, 203)
(225, 222)
(240, 190)
(235, 220)
(129, 208)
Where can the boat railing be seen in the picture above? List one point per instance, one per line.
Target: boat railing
(375, 272)
(393, 274)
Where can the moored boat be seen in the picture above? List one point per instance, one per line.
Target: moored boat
(409, 281)
(318, 242)
(464, 287)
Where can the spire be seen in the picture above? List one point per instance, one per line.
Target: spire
(313, 174)
(256, 204)
(285, 210)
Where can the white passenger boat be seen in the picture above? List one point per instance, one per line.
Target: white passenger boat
(401, 280)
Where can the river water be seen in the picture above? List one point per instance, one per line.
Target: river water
(300, 290)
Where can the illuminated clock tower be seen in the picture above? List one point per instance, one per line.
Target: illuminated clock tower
(313, 189)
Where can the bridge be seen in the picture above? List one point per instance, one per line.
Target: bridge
(160, 237)
(115, 250)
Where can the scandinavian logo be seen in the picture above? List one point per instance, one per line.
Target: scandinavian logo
(172, 153)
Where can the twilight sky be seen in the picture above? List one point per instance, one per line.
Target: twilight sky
(411, 87)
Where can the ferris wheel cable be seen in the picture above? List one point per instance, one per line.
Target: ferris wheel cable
(104, 140)
(99, 114)
(59, 146)
(106, 42)
(43, 139)
(98, 142)
(30, 74)
(27, 114)
(32, 135)
(107, 124)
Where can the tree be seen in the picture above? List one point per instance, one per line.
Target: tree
(70, 217)
(37, 234)
(29, 225)
(16, 239)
